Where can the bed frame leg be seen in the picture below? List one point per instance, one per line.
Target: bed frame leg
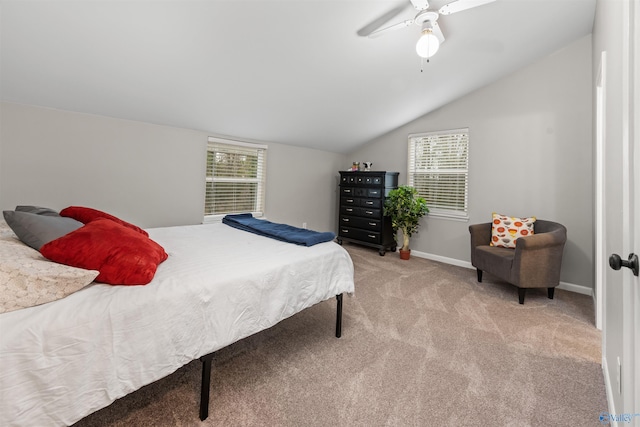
(208, 359)
(204, 386)
(339, 316)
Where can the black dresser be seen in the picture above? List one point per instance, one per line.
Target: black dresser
(362, 196)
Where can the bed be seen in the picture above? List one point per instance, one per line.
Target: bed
(68, 358)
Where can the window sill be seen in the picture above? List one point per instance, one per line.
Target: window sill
(214, 219)
(441, 215)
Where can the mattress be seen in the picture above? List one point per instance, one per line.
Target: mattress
(66, 359)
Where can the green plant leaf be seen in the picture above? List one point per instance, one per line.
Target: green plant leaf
(405, 208)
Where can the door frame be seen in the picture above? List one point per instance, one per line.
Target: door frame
(600, 243)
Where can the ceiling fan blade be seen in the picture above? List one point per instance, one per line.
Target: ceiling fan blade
(380, 21)
(397, 26)
(437, 31)
(460, 5)
(420, 4)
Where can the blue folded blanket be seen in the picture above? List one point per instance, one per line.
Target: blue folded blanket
(283, 232)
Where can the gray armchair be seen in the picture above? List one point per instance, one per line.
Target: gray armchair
(534, 263)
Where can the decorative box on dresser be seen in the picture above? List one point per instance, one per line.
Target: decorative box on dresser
(361, 218)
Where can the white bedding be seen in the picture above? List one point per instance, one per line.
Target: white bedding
(66, 359)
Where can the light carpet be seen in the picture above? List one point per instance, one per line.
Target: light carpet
(423, 344)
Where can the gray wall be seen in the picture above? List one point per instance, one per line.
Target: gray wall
(530, 155)
(303, 186)
(148, 174)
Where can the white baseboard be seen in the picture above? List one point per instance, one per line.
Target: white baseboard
(579, 289)
(571, 287)
(446, 260)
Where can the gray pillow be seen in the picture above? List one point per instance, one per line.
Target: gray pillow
(38, 210)
(36, 230)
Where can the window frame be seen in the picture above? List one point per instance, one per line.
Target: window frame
(261, 176)
(435, 211)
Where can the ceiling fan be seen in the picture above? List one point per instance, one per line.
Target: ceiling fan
(431, 38)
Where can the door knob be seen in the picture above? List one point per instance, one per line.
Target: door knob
(616, 263)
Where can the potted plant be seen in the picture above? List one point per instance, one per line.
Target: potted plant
(405, 208)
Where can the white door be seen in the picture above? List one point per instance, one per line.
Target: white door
(631, 218)
(632, 386)
(621, 326)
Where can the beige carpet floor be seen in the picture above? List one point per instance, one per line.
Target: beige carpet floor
(423, 344)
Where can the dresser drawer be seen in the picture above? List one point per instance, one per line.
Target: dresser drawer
(369, 213)
(374, 192)
(348, 210)
(371, 203)
(349, 201)
(347, 191)
(357, 222)
(354, 209)
(363, 235)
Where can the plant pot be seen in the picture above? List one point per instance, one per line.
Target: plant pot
(405, 254)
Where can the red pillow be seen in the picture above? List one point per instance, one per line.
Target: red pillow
(86, 215)
(120, 254)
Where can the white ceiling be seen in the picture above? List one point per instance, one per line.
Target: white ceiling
(294, 72)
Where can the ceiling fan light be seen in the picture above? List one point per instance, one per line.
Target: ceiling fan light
(428, 44)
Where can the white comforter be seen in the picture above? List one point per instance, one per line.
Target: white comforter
(66, 359)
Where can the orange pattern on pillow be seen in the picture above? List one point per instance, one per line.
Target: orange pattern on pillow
(505, 230)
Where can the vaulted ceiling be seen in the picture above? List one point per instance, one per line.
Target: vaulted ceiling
(295, 72)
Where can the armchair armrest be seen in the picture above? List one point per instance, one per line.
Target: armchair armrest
(541, 240)
(480, 234)
(538, 259)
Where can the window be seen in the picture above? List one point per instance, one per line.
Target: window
(439, 170)
(236, 177)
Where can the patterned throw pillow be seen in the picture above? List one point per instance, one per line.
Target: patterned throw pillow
(505, 230)
(28, 279)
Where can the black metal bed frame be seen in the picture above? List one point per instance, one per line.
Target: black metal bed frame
(207, 361)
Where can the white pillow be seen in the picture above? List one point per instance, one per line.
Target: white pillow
(28, 279)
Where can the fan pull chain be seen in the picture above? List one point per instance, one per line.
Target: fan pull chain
(422, 64)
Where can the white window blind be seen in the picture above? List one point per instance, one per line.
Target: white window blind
(236, 178)
(439, 170)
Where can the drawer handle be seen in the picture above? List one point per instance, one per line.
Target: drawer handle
(345, 219)
(349, 200)
(369, 212)
(373, 224)
(369, 202)
(346, 190)
(349, 209)
(371, 235)
(345, 231)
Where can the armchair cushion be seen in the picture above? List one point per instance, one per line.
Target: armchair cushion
(505, 230)
(496, 260)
